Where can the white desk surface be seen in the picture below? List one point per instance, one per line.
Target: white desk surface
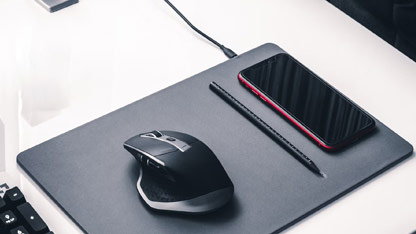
(79, 63)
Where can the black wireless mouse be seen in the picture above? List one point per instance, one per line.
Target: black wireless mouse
(179, 173)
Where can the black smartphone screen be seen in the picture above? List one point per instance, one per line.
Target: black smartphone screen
(313, 103)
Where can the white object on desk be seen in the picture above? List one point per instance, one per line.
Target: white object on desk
(9, 121)
(44, 70)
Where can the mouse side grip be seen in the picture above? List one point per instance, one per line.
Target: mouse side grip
(198, 168)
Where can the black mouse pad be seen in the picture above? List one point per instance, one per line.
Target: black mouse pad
(272, 189)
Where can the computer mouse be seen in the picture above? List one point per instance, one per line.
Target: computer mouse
(179, 173)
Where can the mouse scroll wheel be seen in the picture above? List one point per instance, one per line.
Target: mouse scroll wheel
(156, 133)
(152, 134)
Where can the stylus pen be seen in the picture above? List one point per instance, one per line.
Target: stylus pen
(263, 126)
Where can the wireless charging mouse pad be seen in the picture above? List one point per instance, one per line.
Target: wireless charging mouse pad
(93, 178)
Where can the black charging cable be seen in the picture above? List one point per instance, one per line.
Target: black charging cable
(228, 52)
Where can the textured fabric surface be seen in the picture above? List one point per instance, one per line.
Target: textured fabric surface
(392, 20)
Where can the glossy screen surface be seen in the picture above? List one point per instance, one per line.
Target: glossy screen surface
(309, 100)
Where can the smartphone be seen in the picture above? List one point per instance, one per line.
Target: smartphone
(308, 102)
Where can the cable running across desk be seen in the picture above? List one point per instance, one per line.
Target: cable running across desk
(228, 52)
